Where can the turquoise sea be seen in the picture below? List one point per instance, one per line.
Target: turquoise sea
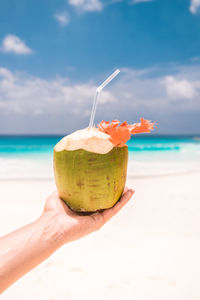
(30, 157)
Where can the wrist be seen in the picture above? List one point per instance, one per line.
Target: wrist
(52, 232)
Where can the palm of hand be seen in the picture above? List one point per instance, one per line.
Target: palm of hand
(74, 226)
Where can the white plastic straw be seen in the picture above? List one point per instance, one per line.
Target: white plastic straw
(98, 90)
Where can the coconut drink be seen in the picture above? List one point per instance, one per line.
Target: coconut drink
(90, 165)
(90, 172)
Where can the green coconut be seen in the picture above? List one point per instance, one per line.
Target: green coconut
(90, 180)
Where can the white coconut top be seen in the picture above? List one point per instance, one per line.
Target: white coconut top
(89, 139)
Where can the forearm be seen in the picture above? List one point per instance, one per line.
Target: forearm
(27, 247)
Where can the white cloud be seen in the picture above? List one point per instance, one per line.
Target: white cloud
(194, 6)
(87, 5)
(13, 44)
(140, 1)
(31, 104)
(195, 58)
(27, 96)
(62, 18)
(145, 93)
(179, 89)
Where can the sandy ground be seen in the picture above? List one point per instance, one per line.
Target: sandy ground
(150, 250)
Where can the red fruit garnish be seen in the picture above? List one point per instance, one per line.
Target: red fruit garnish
(120, 134)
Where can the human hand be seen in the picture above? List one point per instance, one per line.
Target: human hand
(27, 247)
(73, 226)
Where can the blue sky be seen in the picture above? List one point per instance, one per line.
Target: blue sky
(53, 54)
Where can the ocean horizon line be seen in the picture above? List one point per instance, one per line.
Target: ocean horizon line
(147, 135)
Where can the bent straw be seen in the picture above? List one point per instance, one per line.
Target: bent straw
(98, 90)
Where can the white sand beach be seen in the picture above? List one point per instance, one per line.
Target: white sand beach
(150, 250)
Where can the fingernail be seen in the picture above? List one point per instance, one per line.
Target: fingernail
(132, 191)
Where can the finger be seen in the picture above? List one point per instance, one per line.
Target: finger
(102, 217)
(125, 189)
(53, 194)
(55, 202)
(109, 213)
(50, 201)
